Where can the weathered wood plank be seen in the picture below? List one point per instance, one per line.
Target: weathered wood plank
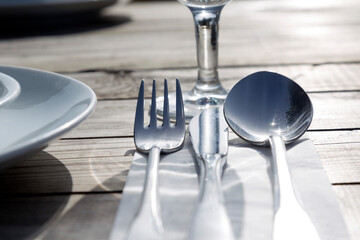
(334, 137)
(349, 196)
(90, 216)
(341, 162)
(125, 84)
(72, 166)
(115, 118)
(105, 207)
(58, 217)
(84, 165)
(161, 35)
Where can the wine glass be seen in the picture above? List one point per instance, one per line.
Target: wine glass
(208, 91)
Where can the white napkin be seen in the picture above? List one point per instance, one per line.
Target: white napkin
(247, 188)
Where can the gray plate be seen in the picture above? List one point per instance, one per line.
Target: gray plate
(48, 106)
(9, 89)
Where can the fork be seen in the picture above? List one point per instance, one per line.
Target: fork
(155, 140)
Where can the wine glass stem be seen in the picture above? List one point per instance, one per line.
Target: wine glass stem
(206, 33)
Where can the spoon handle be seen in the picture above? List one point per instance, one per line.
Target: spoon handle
(291, 221)
(210, 220)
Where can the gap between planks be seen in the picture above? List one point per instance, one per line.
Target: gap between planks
(314, 79)
(332, 111)
(102, 165)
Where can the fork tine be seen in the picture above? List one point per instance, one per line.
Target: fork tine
(166, 118)
(180, 115)
(139, 115)
(153, 121)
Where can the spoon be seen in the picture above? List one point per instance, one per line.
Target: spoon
(267, 108)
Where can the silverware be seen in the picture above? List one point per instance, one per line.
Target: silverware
(154, 140)
(209, 136)
(267, 108)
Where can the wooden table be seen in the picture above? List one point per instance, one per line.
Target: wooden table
(72, 189)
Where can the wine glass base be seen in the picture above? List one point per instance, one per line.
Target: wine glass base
(193, 104)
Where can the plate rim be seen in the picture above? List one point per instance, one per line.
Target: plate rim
(13, 89)
(13, 154)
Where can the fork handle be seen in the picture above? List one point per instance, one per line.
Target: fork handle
(147, 223)
(210, 220)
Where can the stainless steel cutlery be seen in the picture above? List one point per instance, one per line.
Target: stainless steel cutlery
(154, 140)
(265, 109)
(209, 137)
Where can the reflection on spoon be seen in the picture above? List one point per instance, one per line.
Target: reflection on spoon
(267, 108)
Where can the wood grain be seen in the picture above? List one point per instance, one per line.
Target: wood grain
(161, 35)
(91, 215)
(112, 118)
(77, 166)
(125, 84)
(72, 189)
(76, 216)
(72, 166)
(348, 196)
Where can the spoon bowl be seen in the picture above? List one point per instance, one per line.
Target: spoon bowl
(264, 104)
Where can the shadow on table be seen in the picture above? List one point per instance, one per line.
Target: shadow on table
(19, 27)
(24, 210)
(92, 216)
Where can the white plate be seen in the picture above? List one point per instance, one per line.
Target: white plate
(48, 106)
(48, 7)
(9, 89)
